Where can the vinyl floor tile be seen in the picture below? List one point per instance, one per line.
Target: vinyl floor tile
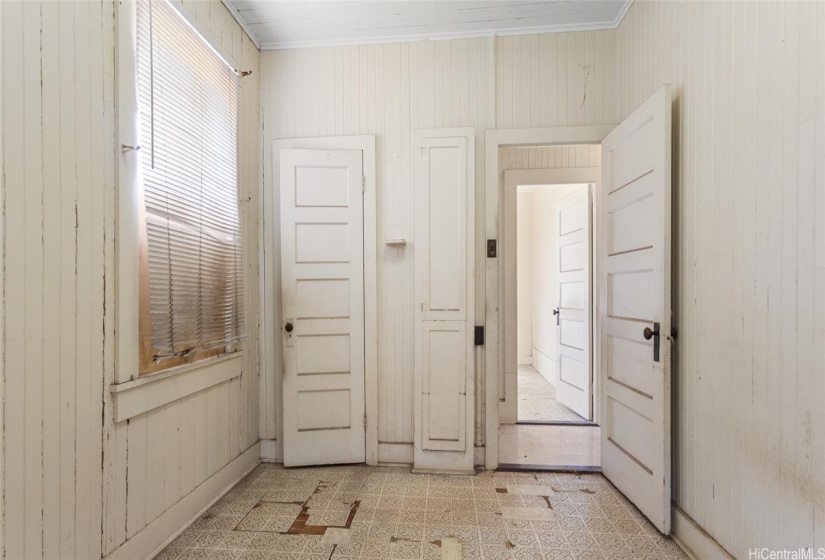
(492, 515)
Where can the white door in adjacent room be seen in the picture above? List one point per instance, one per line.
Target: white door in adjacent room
(322, 273)
(573, 315)
(635, 307)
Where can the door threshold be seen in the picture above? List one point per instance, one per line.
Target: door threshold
(514, 467)
(325, 465)
(556, 423)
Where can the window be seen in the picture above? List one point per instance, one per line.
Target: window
(191, 273)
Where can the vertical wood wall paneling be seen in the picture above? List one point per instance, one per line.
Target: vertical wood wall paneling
(164, 454)
(59, 159)
(391, 90)
(818, 479)
(749, 184)
(59, 102)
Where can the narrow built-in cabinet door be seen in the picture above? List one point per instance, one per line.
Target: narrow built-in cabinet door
(444, 182)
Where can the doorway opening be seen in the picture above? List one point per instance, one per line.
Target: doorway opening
(552, 280)
(548, 415)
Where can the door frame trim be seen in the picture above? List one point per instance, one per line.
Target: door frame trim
(270, 355)
(493, 357)
(514, 178)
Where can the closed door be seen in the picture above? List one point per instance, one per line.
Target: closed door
(573, 338)
(634, 307)
(444, 280)
(322, 274)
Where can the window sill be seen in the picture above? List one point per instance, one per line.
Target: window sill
(146, 393)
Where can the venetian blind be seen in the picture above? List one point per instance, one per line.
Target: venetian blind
(188, 106)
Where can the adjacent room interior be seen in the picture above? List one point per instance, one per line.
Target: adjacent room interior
(550, 224)
(549, 415)
(289, 280)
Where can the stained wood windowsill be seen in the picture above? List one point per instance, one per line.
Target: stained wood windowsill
(146, 393)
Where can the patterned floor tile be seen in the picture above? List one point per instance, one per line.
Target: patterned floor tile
(494, 516)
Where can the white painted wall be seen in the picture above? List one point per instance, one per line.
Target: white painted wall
(65, 463)
(749, 264)
(524, 274)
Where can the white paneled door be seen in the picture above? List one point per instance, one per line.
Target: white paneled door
(322, 275)
(635, 307)
(444, 280)
(574, 311)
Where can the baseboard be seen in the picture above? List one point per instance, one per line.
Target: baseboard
(545, 365)
(160, 532)
(395, 454)
(693, 539)
(508, 408)
(479, 456)
(269, 451)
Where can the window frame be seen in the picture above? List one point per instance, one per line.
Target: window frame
(171, 380)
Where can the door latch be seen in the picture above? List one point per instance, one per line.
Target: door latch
(557, 313)
(654, 334)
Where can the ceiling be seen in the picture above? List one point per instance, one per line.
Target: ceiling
(279, 24)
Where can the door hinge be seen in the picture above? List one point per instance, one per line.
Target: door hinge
(363, 184)
(479, 336)
(365, 420)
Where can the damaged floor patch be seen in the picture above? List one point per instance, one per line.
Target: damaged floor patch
(451, 548)
(337, 535)
(530, 490)
(528, 514)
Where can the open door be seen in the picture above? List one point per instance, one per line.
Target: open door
(635, 307)
(574, 312)
(322, 274)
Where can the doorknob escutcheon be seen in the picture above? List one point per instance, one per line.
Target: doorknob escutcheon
(649, 333)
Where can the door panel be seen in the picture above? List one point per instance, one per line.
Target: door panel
(322, 271)
(444, 392)
(573, 341)
(444, 264)
(635, 283)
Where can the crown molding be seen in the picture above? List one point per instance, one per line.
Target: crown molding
(622, 13)
(245, 26)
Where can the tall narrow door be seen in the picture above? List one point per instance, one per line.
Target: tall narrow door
(573, 337)
(322, 277)
(634, 307)
(444, 281)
